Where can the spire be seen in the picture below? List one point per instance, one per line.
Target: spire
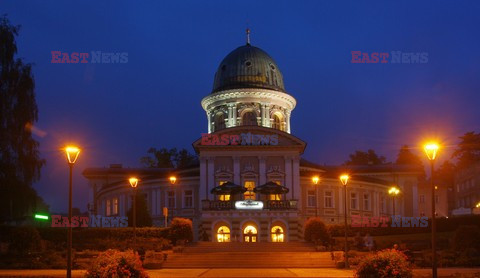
(248, 36)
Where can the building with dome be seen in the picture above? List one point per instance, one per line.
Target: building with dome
(251, 183)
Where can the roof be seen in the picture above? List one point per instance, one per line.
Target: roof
(248, 67)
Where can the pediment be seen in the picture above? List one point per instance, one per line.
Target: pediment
(249, 137)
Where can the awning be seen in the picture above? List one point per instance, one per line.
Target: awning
(228, 188)
(271, 188)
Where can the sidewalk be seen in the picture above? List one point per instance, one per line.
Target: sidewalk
(245, 272)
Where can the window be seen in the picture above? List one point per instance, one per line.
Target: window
(115, 206)
(422, 199)
(328, 199)
(353, 200)
(275, 197)
(277, 122)
(249, 194)
(171, 199)
(249, 118)
(311, 198)
(277, 234)
(223, 197)
(188, 199)
(366, 201)
(219, 121)
(108, 207)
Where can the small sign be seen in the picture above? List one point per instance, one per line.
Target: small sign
(249, 204)
(165, 211)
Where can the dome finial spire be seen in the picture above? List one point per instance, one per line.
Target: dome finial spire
(248, 36)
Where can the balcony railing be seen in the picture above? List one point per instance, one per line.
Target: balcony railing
(267, 205)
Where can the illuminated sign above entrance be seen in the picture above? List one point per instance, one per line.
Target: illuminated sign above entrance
(249, 204)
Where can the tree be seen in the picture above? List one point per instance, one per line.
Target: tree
(143, 217)
(181, 229)
(316, 231)
(164, 158)
(20, 161)
(445, 174)
(468, 150)
(406, 157)
(365, 158)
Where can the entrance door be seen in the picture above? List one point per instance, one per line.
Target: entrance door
(250, 234)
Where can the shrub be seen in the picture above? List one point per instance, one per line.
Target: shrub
(316, 231)
(113, 263)
(386, 263)
(466, 237)
(25, 240)
(181, 229)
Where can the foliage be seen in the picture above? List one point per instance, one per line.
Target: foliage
(181, 229)
(387, 263)
(113, 263)
(20, 161)
(316, 231)
(405, 156)
(168, 158)
(143, 217)
(365, 158)
(467, 237)
(25, 240)
(468, 150)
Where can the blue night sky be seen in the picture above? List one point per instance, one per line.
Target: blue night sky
(115, 112)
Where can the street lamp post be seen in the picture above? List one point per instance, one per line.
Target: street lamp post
(172, 180)
(134, 183)
(72, 155)
(431, 150)
(344, 179)
(393, 191)
(315, 181)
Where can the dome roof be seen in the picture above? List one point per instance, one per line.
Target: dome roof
(248, 67)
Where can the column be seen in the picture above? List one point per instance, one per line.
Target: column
(267, 115)
(262, 170)
(209, 122)
(262, 114)
(211, 176)
(203, 179)
(234, 115)
(287, 120)
(296, 194)
(236, 170)
(230, 115)
(288, 174)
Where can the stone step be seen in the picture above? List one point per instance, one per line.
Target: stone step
(212, 247)
(249, 260)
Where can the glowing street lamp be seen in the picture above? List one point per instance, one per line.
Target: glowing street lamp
(393, 191)
(72, 153)
(134, 183)
(172, 179)
(344, 179)
(478, 205)
(431, 150)
(316, 180)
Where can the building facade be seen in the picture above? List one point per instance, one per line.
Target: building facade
(251, 183)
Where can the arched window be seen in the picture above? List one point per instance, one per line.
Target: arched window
(277, 122)
(249, 118)
(223, 234)
(277, 234)
(219, 121)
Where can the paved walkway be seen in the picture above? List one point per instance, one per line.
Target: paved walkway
(245, 272)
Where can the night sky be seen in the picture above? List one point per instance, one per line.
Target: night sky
(115, 112)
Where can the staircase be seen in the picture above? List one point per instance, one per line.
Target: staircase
(249, 255)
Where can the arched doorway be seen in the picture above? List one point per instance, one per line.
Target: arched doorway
(223, 234)
(250, 234)
(277, 234)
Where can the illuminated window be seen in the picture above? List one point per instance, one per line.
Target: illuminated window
(250, 234)
(249, 118)
(249, 194)
(275, 197)
(108, 208)
(115, 206)
(328, 199)
(171, 199)
(353, 200)
(188, 199)
(366, 201)
(223, 234)
(277, 122)
(277, 234)
(311, 198)
(225, 197)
